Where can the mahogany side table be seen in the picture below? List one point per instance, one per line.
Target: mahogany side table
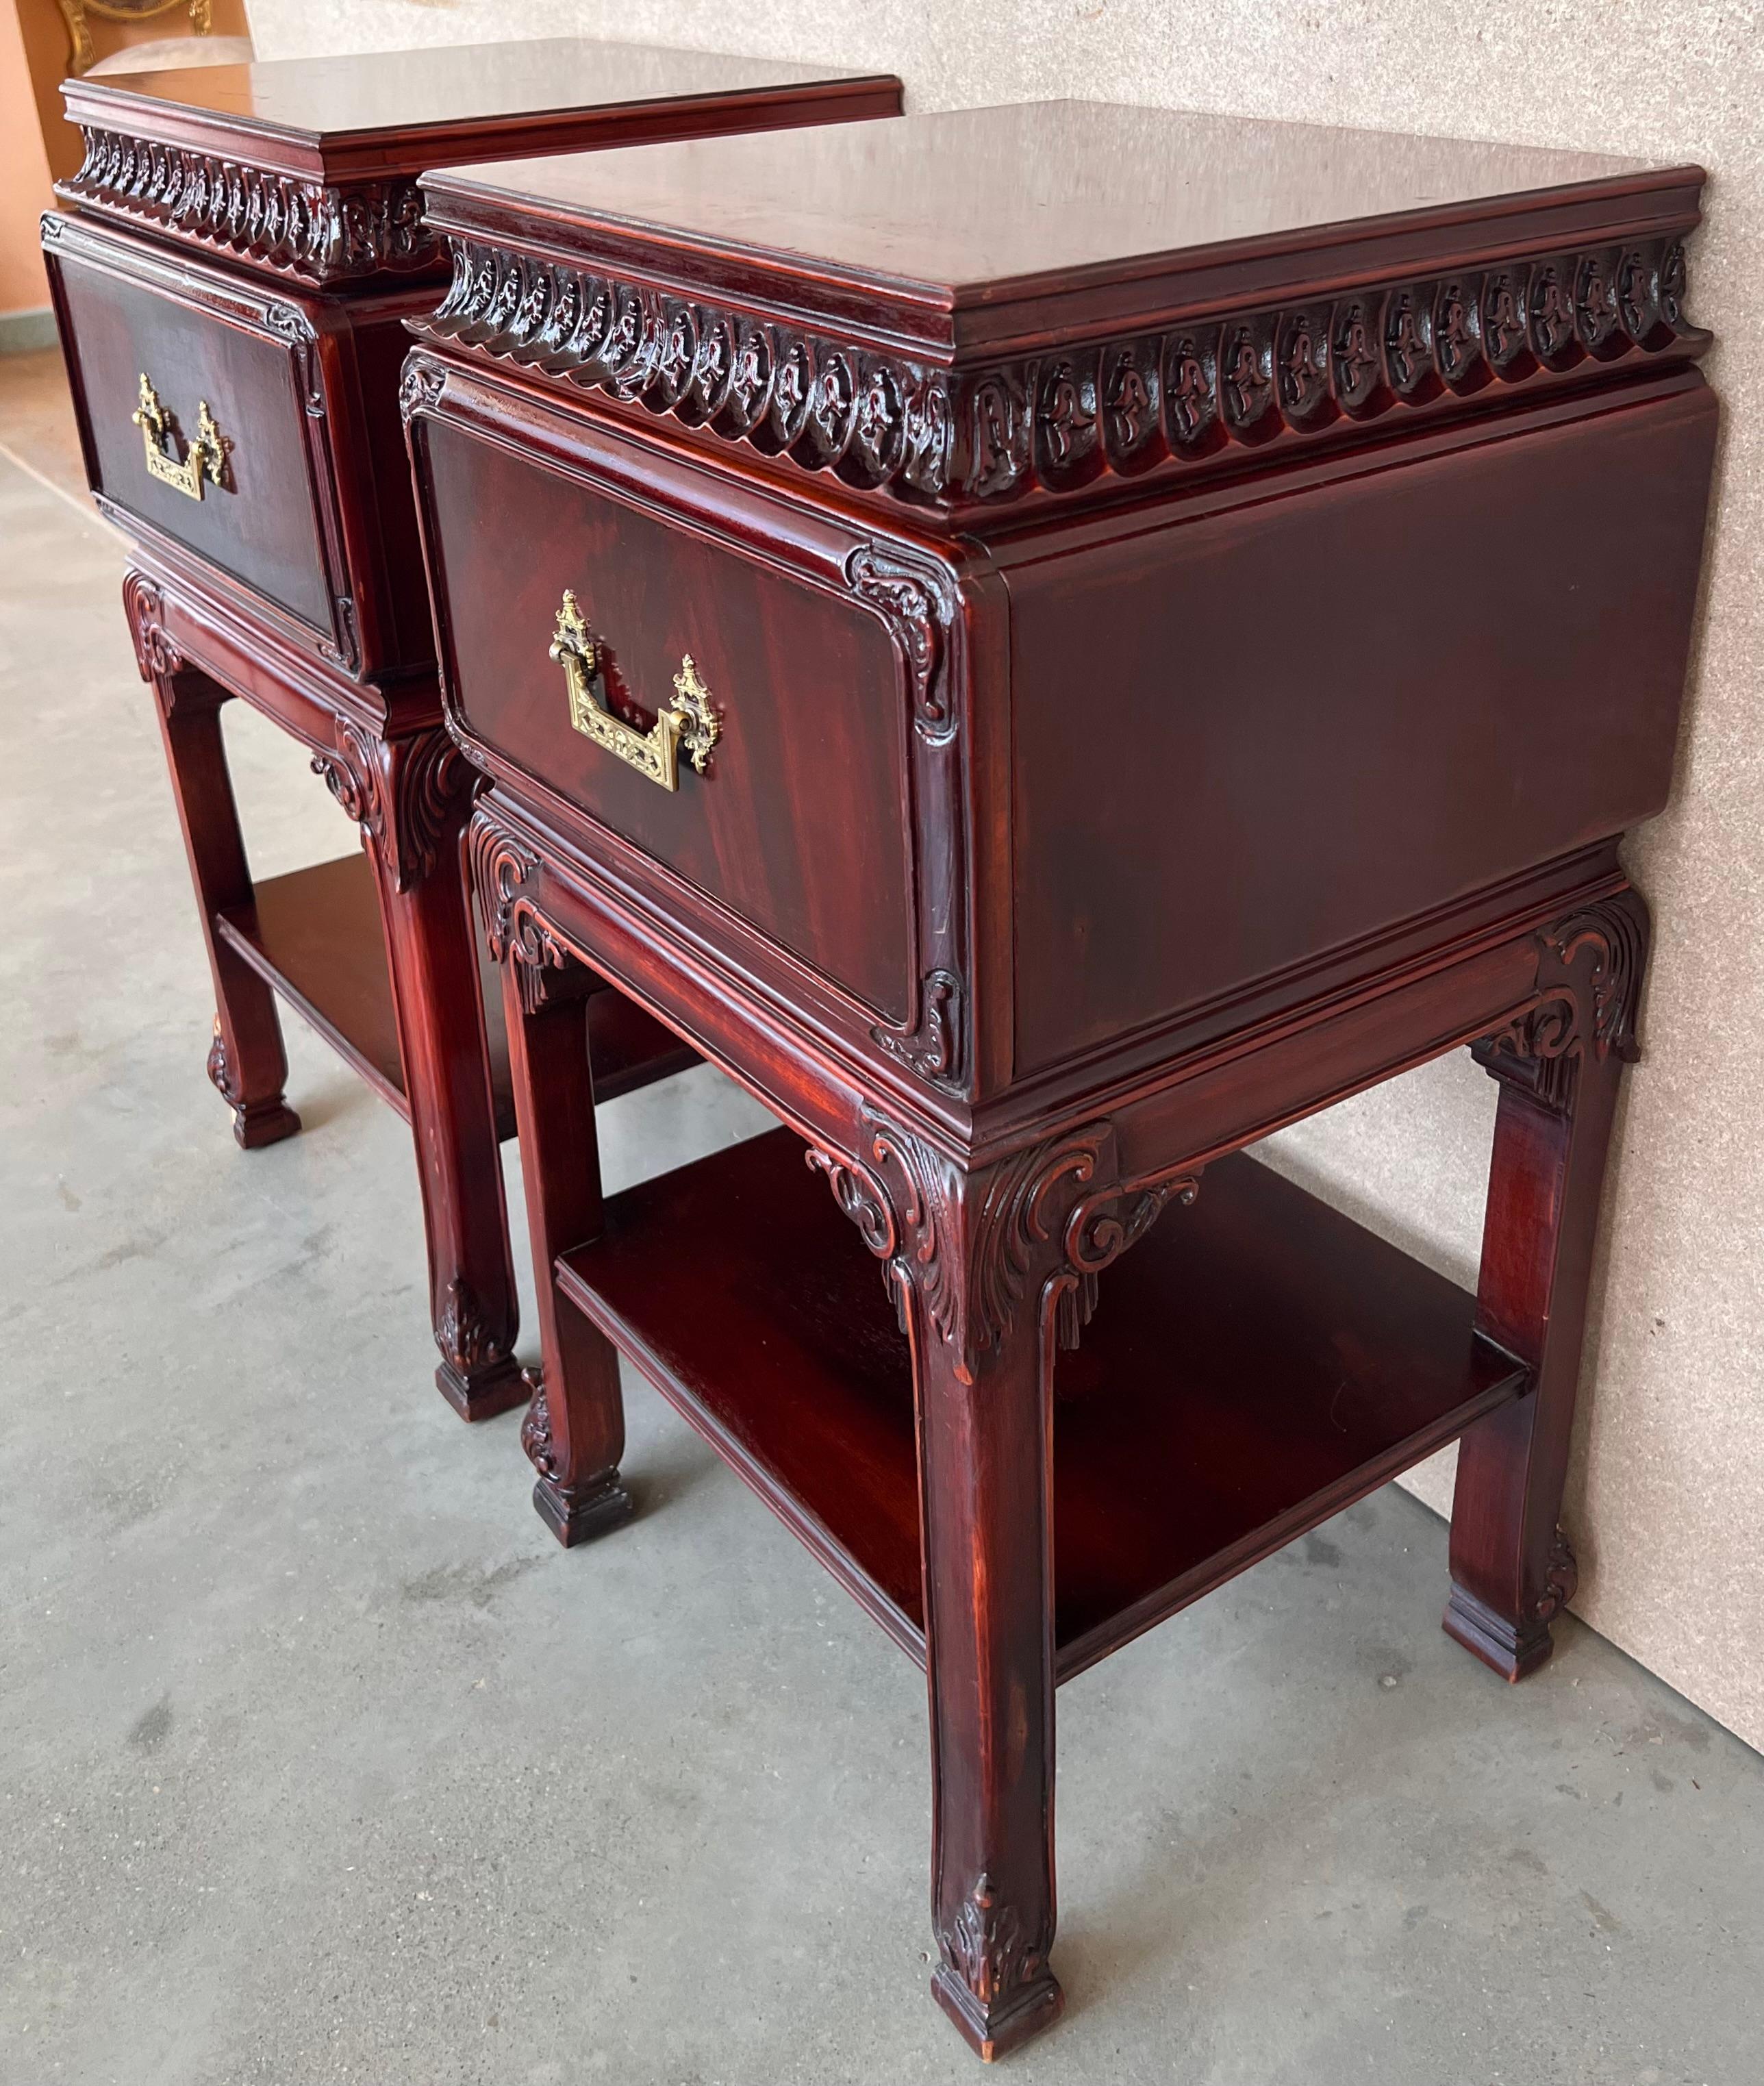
(231, 288)
(1050, 642)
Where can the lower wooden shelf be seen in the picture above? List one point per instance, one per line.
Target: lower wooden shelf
(315, 935)
(1256, 1363)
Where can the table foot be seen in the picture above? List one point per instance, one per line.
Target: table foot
(482, 1393)
(993, 2032)
(258, 1119)
(263, 1122)
(1512, 1649)
(574, 1512)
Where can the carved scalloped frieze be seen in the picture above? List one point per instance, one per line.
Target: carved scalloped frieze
(926, 435)
(304, 229)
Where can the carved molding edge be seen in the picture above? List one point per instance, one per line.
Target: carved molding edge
(969, 1245)
(1590, 971)
(1166, 398)
(304, 229)
(404, 794)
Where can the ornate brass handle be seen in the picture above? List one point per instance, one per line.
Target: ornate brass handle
(207, 457)
(688, 723)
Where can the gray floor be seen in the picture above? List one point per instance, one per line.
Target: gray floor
(320, 1762)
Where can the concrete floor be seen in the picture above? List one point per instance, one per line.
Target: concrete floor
(320, 1762)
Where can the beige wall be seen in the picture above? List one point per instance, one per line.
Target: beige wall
(24, 175)
(1667, 1498)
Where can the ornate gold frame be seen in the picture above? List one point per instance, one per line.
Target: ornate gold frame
(80, 42)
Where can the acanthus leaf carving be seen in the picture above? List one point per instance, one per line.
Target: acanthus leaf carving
(969, 1244)
(536, 1431)
(988, 1949)
(351, 773)
(463, 1335)
(432, 781)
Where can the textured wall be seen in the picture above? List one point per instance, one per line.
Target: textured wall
(1667, 1499)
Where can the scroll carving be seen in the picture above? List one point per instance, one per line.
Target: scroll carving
(1589, 982)
(933, 1049)
(303, 229)
(917, 597)
(156, 653)
(970, 1244)
(352, 773)
(406, 795)
(926, 434)
(515, 930)
(419, 388)
(1560, 1581)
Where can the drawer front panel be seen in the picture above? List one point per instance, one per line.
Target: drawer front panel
(1336, 722)
(799, 823)
(260, 523)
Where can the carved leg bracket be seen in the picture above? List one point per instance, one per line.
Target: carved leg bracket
(1557, 1063)
(991, 1267)
(574, 1431)
(246, 1062)
(411, 797)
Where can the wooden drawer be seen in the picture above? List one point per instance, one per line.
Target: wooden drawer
(798, 823)
(254, 500)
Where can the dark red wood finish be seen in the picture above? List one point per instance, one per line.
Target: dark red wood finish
(250, 238)
(1288, 561)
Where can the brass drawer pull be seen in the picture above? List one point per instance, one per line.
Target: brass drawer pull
(688, 723)
(207, 454)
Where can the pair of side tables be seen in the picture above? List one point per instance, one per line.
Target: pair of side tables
(1048, 642)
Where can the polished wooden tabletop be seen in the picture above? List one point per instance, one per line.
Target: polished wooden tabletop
(963, 203)
(334, 98)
